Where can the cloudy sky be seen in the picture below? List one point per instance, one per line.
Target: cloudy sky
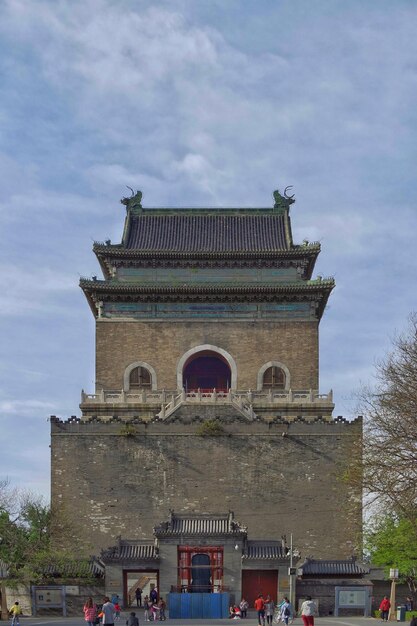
(201, 103)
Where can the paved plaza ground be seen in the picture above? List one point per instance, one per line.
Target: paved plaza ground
(250, 621)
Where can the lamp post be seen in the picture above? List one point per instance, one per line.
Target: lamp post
(292, 572)
(393, 574)
(291, 576)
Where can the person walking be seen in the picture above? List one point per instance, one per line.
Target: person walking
(244, 605)
(117, 609)
(90, 612)
(269, 609)
(108, 612)
(138, 595)
(146, 605)
(308, 611)
(153, 595)
(162, 606)
(260, 609)
(285, 611)
(384, 608)
(154, 611)
(15, 611)
(132, 620)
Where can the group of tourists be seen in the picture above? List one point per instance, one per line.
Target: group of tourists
(154, 609)
(239, 611)
(108, 613)
(267, 611)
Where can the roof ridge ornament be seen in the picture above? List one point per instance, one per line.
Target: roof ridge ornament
(283, 201)
(134, 201)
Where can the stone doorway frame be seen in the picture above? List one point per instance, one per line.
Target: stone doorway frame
(202, 348)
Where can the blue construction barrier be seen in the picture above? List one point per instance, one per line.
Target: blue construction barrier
(198, 605)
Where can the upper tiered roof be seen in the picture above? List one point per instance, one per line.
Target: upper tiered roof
(207, 232)
(202, 233)
(255, 244)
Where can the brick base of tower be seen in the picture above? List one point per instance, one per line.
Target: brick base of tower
(118, 478)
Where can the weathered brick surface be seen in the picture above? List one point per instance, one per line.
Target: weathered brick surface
(162, 344)
(116, 485)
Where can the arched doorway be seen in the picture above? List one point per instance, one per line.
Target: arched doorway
(200, 573)
(206, 370)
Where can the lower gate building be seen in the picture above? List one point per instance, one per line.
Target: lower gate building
(206, 441)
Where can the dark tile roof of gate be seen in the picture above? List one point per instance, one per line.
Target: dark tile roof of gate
(76, 569)
(131, 551)
(199, 525)
(270, 550)
(207, 233)
(349, 567)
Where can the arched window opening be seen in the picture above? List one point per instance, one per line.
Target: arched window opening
(206, 371)
(200, 570)
(140, 378)
(274, 378)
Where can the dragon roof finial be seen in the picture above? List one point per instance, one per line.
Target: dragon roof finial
(134, 200)
(283, 201)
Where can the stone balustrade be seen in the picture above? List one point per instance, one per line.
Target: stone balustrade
(163, 396)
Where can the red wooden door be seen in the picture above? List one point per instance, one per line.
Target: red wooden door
(256, 581)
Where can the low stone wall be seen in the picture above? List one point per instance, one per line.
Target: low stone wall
(74, 601)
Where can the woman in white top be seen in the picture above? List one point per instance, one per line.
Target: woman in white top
(308, 611)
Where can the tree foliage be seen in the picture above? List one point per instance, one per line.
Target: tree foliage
(387, 465)
(27, 527)
(392, 542)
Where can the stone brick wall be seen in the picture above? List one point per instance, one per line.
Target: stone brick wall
(162, 344)
(278, 478)
(323, 593)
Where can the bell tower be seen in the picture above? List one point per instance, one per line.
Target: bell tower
(207, 388)
(226, 294)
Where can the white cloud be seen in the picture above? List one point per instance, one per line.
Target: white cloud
(25, 407)
(202, 104)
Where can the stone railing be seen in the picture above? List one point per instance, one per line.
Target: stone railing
(126, 397)
(244, 398)
(239, 401)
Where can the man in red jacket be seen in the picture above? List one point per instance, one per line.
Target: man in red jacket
(384, 607)
(260, 608)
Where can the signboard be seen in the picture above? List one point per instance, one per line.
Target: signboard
(353, 598)
(48, 596)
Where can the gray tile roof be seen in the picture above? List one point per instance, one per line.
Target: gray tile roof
(131, 551)
(70, 569)
(265, 550)
(336, 568)
(199, 525)
(207, 233)
(75, 569)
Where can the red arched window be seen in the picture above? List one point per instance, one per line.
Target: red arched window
(140, 377)
(274, 378)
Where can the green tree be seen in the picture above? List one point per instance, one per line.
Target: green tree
(392, 542)
(386, 467)
(27, 530)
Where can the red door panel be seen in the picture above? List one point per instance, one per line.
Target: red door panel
(258, 581)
